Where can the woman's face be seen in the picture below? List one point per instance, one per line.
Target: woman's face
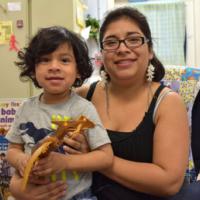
(124, 63)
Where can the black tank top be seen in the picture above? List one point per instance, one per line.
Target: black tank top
(134, 146)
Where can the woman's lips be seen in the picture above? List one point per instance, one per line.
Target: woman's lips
(124, 63)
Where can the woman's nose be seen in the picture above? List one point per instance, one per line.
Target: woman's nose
(123, 47)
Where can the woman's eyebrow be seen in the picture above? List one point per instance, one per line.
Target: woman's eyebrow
(133, 33)
(127, 34)
(110, 37)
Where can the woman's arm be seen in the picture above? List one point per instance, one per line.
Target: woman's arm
(50, 191)
(170, 154)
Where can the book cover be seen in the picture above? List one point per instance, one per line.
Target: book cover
(8, 108)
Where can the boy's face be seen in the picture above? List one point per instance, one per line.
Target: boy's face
(56, 72)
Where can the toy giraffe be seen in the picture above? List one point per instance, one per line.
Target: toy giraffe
(54, 141)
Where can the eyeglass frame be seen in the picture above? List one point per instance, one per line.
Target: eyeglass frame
(144, 40)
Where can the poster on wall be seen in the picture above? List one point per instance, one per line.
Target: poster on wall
(80, 7)
(8, 108)
(5, 31)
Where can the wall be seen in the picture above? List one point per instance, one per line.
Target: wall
(43, 13)
(10, 84)
(97, 8)
(196, 34)
(35, 14)
(193, 32)
(51, 12)
(193, 29)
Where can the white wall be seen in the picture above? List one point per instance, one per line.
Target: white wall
(97, 8)
(193, 30)
(197, 31)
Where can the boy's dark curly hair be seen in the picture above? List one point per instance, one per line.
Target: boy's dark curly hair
(46, 41)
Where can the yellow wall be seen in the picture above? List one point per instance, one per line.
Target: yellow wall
(10, 85)
(35, 14)
(51, 12)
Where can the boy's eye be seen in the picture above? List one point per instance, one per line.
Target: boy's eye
(65, 60)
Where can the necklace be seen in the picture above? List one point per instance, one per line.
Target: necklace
(107, 100)
(149, 95)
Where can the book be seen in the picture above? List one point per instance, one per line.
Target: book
(8, 108)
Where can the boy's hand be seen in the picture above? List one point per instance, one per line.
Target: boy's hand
(22, 162)
(53, 163)
(77, 145)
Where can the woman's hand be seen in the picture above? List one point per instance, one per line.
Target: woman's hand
(77, 145)
(50, 191)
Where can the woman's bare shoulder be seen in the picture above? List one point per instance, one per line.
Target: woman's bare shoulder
(169, 102)
(83, 90)
(166, 92)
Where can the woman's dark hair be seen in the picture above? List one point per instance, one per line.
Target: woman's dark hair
(46, 41)
(136, 16)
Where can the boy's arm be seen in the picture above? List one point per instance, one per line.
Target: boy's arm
(98, 159)
(16, 157)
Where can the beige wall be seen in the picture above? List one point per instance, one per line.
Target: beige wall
(45, 13)
(40, 13)
(10, 85)
(35, 14)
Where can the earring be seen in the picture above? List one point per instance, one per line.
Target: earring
(104, 77)
(150, 73)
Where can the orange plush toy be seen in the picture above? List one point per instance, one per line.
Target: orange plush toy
(53, 142)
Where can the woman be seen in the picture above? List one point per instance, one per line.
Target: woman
(149, 140)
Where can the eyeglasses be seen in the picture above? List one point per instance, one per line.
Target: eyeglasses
(130, 42)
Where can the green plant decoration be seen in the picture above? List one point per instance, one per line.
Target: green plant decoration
(94, 23)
